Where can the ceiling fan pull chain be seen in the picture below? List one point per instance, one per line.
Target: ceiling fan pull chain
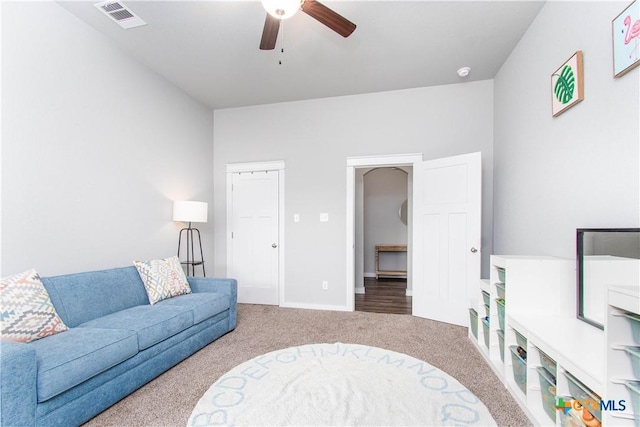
(281, 41)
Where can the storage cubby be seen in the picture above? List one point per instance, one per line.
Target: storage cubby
(547, 384)
(473, 323)
(518, 370)
(477, 314)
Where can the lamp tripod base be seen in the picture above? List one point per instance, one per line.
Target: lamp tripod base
(191, 261)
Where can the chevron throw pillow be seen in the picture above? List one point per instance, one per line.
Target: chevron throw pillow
(163, 278)
(26, 311)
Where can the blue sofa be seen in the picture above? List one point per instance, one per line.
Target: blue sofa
(116, 343)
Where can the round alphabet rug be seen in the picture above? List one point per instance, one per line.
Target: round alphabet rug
(338, 384)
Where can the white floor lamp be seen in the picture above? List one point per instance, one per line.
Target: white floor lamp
(186, 211)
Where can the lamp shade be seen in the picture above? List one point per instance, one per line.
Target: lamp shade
(186, 211)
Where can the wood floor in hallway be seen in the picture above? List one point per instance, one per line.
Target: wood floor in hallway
(384, 296)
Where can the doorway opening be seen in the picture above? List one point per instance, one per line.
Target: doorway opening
(381, 238)
(355, 264)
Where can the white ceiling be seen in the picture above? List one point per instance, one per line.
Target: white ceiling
(209, 49)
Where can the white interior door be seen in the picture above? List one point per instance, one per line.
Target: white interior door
(447, 222)
(254, 227)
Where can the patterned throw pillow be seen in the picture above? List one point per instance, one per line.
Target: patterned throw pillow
(26, 311)
(163, 278)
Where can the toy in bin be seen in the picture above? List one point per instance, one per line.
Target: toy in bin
(579, 415)
(589, 420)
(572, 418)
(587, 417)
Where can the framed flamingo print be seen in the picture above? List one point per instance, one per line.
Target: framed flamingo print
(567, 85)
(626, 39)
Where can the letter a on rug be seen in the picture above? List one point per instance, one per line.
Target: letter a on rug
(338, 384)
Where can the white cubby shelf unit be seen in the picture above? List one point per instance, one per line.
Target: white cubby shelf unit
(540, 305)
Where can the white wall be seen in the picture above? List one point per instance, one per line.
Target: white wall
(580, 169)
(94, 149)
(315, 137)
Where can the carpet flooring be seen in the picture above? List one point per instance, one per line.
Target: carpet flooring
(169, 399)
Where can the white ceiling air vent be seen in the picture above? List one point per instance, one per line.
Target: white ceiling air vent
(120, 13)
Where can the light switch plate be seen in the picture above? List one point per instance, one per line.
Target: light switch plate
(296, 217)
(324, 217)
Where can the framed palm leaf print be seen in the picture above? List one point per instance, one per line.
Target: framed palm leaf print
(567, 85)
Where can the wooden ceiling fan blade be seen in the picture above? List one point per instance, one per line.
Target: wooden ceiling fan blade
(328, 17)
(270, 33)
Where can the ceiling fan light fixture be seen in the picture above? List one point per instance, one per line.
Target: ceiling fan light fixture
(281, 9)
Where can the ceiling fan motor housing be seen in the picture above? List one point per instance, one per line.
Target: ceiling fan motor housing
(282, 9)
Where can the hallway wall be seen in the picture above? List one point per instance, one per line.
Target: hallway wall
(385, 189)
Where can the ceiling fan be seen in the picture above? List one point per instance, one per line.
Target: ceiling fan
(283, 9)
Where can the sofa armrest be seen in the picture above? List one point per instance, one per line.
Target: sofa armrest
(18, 384)
(225, 286)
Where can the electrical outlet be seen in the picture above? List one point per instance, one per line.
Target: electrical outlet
(325, 285)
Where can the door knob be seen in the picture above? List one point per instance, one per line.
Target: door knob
(274, 245)
(473, 250)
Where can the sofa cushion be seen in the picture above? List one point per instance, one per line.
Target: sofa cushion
(203, 305)
(26, 312)
(163, 278)
(66, 360)
(81, 297)
(151, 323)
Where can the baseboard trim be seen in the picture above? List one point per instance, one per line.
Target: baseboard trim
(314, 306)
(373, 276)
(360, 290)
